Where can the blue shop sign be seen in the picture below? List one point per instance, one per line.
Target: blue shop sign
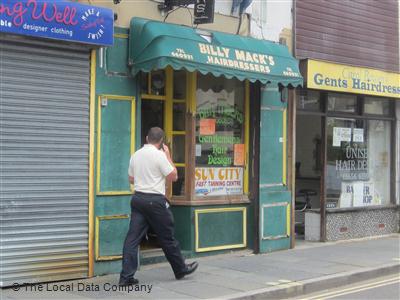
(58, 19)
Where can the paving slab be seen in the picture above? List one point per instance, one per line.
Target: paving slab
(242, 275)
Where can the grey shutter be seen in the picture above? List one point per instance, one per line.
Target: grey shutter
(44, 145)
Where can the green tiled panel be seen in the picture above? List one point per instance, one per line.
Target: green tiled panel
(220, 228)
(107, 267)
(115, 148)
(117, 56)
(250, 225)
(115, 145)
(271, 132)
(270, 95)
(184, 231)
(274, 245)
(274, 220)
(271, 147)
(113, 205)
(112, 233)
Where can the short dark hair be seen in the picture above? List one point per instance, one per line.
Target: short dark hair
(155, 135)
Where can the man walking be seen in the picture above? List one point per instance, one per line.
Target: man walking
(149, 167)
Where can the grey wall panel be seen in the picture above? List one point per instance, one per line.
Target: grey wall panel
(358, 32)
(44, 144)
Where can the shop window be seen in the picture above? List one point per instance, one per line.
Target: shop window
(220, 132)
(178, 150)
(179, 116)
(376, 106)
(358, 162)
(152, 110)
(179, 85)
(153, 83)
(342, 103)
(308, 100)
(144, 83)
(178, 187)
(178, 133)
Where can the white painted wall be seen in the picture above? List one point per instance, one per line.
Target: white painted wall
(223, 7)
(270, 17)
(149, 9)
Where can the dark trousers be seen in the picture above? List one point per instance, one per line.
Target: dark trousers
(150, 210)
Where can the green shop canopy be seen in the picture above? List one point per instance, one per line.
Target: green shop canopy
(156, 45)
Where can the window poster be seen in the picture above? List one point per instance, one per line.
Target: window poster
(220, 136)
(238, 154)
(218, 181)
(346, 196)
(198, 150)
(341, 134)
(207, 126)
(358, 135)
(358, 194)
(219, 130)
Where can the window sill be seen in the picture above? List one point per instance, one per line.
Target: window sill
(355, 209)
(212, 200)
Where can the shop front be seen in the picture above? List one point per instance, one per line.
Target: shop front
(45, 62)
(200, 87)
(346, 152)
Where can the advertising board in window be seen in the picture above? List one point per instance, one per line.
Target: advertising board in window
(220, 151)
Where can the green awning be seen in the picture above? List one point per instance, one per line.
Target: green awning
(156, 45)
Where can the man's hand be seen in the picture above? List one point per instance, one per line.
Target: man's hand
(173, 176)
(166, 150)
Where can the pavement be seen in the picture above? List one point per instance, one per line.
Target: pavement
(308, 268)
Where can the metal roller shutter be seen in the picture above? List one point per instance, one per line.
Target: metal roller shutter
(44, 153)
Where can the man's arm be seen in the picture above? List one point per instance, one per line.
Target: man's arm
(173, 176)
(130, 171)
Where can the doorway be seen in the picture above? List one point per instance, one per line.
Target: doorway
(163, 104)
(308, 168)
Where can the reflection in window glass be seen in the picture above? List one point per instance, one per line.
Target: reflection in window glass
(219, 136)
(158, 83)
(178, 187)
(376, 106)
(308, 146)
(179, 84)
(342, 103)
(153, 116)
(179, 117)
(144, 83)
(358, 162)
(178, 148)
(308, 100)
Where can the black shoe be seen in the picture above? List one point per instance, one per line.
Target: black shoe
(190, 268)
(130, 281)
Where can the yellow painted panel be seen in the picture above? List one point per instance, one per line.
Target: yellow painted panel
(91, 161)
(214, 210)
(121, 35)
(284, 150)
(343, 78)
(97, 237)
(246, 137)
(133, 130)
(288, 220)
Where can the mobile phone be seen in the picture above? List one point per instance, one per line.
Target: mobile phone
(161, 147)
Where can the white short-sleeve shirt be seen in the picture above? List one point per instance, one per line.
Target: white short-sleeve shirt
(149, 166)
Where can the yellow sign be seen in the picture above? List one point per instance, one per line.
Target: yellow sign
(349, 79)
